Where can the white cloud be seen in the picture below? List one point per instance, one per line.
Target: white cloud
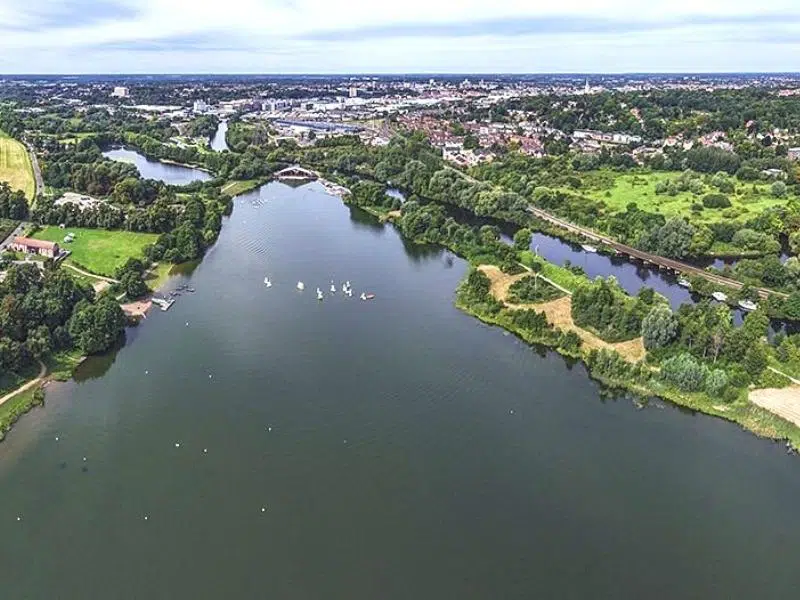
(412, 35)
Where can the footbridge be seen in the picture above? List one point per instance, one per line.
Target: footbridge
(296, 172)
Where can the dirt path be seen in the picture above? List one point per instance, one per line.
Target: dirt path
(87, 274)
(790, 378)
(559, 314)
(784, 402)
(27, 386)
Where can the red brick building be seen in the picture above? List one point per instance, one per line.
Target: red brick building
(32, 246)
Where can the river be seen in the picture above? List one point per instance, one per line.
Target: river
(154, 169)
(253, 442)
(218, 142)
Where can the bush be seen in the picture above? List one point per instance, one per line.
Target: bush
(716, 201)
(684, 372)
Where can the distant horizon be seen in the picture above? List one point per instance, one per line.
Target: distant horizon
(406, 74)
(415, 36)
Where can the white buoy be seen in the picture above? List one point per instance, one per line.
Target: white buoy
(205, 450)
(187, 323)
(210, 376)
(19, 518)
(56, 438)
(84, 459)
(263, 509)
(177, 444)
(146, 372)
(146, 517)
(269, 428)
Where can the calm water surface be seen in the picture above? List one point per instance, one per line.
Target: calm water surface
(281, 447)
(154, 169)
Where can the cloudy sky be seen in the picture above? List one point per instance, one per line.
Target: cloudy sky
(419, 36)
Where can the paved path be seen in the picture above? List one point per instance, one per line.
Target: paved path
(87, 274)
(27, 386)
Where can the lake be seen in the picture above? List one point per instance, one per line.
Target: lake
(154, 169)
(253, 442)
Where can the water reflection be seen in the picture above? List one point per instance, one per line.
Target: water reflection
(153, 169)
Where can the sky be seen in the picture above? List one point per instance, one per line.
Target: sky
(405, 36)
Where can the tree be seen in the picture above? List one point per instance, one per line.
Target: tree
(672, 239)
(522, 239)
(778, 189)
(716, 382)
(659, 327)
(755, 361)
(684, 372)
(95, 327)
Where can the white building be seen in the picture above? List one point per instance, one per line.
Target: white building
(200, 106)
(121, 92)
(353, 92)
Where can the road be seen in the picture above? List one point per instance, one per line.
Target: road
(37, 173)
(18, 231)
(646, 257)
(27, 386)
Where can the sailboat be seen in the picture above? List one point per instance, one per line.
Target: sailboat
(333, 288)
(301, 286)
(267, 282)
(320, 295)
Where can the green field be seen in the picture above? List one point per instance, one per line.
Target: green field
(98, 250)
(15, 166)
(617, 190)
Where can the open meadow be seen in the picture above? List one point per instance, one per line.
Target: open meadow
(15, 166)
(99, 251)
(618, 190)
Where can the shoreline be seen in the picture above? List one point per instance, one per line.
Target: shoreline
(747, 414)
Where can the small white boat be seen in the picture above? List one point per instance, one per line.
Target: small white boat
(301, 286)
(347, 283)
(747, 305)
(683, 282)
(320, 295)
(363, 296)
(719, 297)
(333, 288)
(344, 288)
(349, 293)
(589, 249)
(267, 282)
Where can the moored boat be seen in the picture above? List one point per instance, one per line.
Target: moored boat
(747, 305)
(720, 296)
(683, 282)
(589, 248)
(301, 286)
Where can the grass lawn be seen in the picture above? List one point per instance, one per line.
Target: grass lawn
(99, 251)
(15, 166)
(617, 190)
(234, 188)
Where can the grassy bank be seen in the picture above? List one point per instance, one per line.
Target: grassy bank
(15, 166)
(235, 188)
(15, 407)
(743, 412)
(99, 251)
